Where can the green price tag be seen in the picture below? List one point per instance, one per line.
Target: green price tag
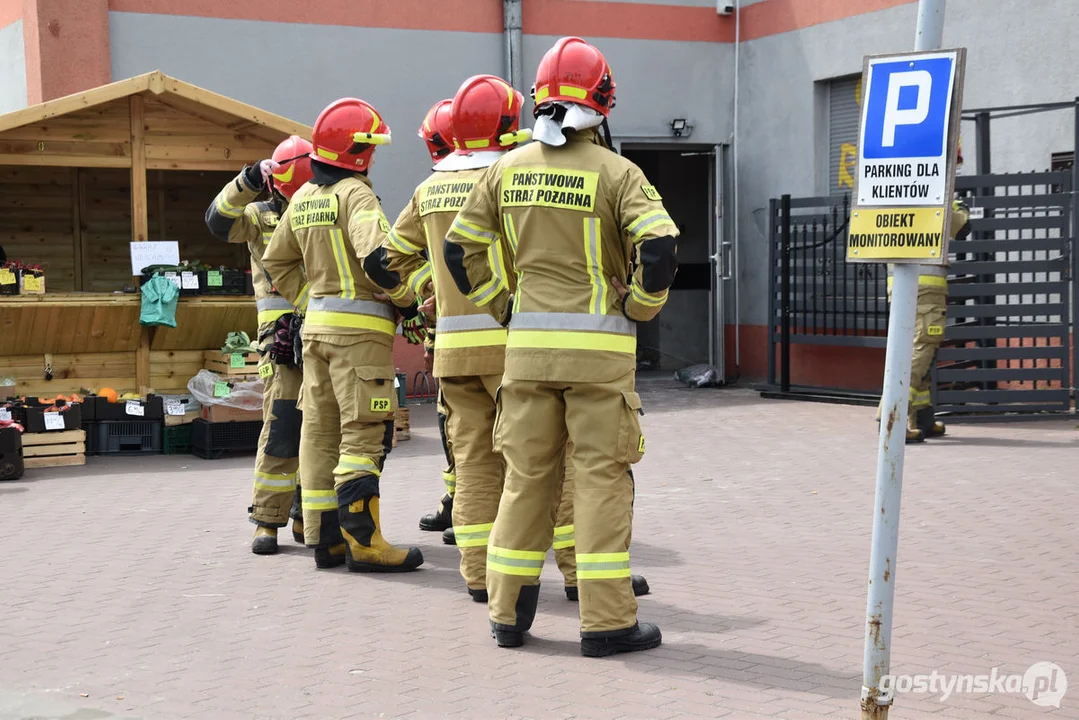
(213, 278)
(221, 390)
(237, 360)
(266, 371)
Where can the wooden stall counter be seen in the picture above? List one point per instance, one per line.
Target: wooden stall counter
(92, 340)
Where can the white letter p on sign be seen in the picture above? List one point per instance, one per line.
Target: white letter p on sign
(893, 116)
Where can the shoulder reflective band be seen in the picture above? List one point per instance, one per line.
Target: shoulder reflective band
(313, 211)
(472, 535)
(602, 566)
(549, 187)
(275, 482)
(348, 464)
(347, 313)
(318, 500)
(525, 563)
(646, 222)
(271, 308)
(572, 331)
(563, 537)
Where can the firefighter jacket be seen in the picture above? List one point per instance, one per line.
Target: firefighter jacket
(934, 278)
(468, 341)
(337, 232)
(235, 217)
(571, 218)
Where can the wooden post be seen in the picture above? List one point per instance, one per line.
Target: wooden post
(140, 225)
(76, 228)
(139, 216)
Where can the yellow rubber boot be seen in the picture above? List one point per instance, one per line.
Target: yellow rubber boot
(265, 541)
(367, 550)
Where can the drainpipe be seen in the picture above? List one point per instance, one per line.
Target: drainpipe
(511, 24)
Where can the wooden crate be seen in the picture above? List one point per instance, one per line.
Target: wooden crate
(215, 362)
(54, 449)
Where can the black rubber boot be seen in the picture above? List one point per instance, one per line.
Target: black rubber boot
(479, 596)
(440, 519)
(929, 425)
(449, 537)
(642, 636)
(513, 635)
(297, 518)
(330, 557)
(330, 551)
(265, 541)
(367, 550)
(640, 587)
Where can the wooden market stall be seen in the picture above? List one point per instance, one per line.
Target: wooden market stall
(84, 175)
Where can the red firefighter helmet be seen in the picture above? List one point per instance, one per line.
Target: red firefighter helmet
(295, 165)
(486, 114)
(437, 130)
(575, 71)
(346, 134)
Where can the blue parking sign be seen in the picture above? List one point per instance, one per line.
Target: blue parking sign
(907, 108)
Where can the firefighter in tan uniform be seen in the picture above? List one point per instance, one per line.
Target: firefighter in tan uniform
(335, 228)
(929, 325)
(234, 216)
(545, 242)
(438, 136)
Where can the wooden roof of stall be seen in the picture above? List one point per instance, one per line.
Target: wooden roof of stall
(167, 123)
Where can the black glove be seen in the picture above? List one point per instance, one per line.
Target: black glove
(253, 176)
(295, 329)
(282, 351)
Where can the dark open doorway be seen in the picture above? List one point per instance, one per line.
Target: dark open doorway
(683, 333)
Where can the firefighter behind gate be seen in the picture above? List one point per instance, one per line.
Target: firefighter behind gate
(929, 325)
(335, 228)
(234, 216)
(545, 243)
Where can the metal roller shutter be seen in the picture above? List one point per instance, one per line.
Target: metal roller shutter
(844, 95)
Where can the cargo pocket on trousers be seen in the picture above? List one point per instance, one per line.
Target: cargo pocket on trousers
(374, 396)
(284, 437)
(630, 438)
(496, 432)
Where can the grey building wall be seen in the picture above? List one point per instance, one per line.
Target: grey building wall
(403, 72)
(1018, 52)
(13, 60)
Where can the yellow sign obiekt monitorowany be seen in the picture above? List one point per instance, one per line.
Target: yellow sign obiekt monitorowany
(908, 138)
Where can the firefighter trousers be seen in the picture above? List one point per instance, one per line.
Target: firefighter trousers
(449, 475)
(929, 324)
(535, 420)
(348, 401)
(469, 404)
(276, 493)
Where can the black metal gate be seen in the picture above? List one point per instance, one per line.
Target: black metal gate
(1010, 308)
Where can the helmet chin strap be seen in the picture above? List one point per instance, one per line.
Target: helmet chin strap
(607, 135)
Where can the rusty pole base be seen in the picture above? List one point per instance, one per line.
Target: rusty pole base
(872, 711)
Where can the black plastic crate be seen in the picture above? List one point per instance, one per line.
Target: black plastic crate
(7, 287)
(224, 282)
(11, 462)
(178, 439)
(213, 440)
(124, 437)
(188, 292)
(32, 417)
(97, 408)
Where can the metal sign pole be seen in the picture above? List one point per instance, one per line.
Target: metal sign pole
(891, 443)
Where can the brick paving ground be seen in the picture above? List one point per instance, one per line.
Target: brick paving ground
(127, 589)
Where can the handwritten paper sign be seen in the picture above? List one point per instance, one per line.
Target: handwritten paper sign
(145, 254)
